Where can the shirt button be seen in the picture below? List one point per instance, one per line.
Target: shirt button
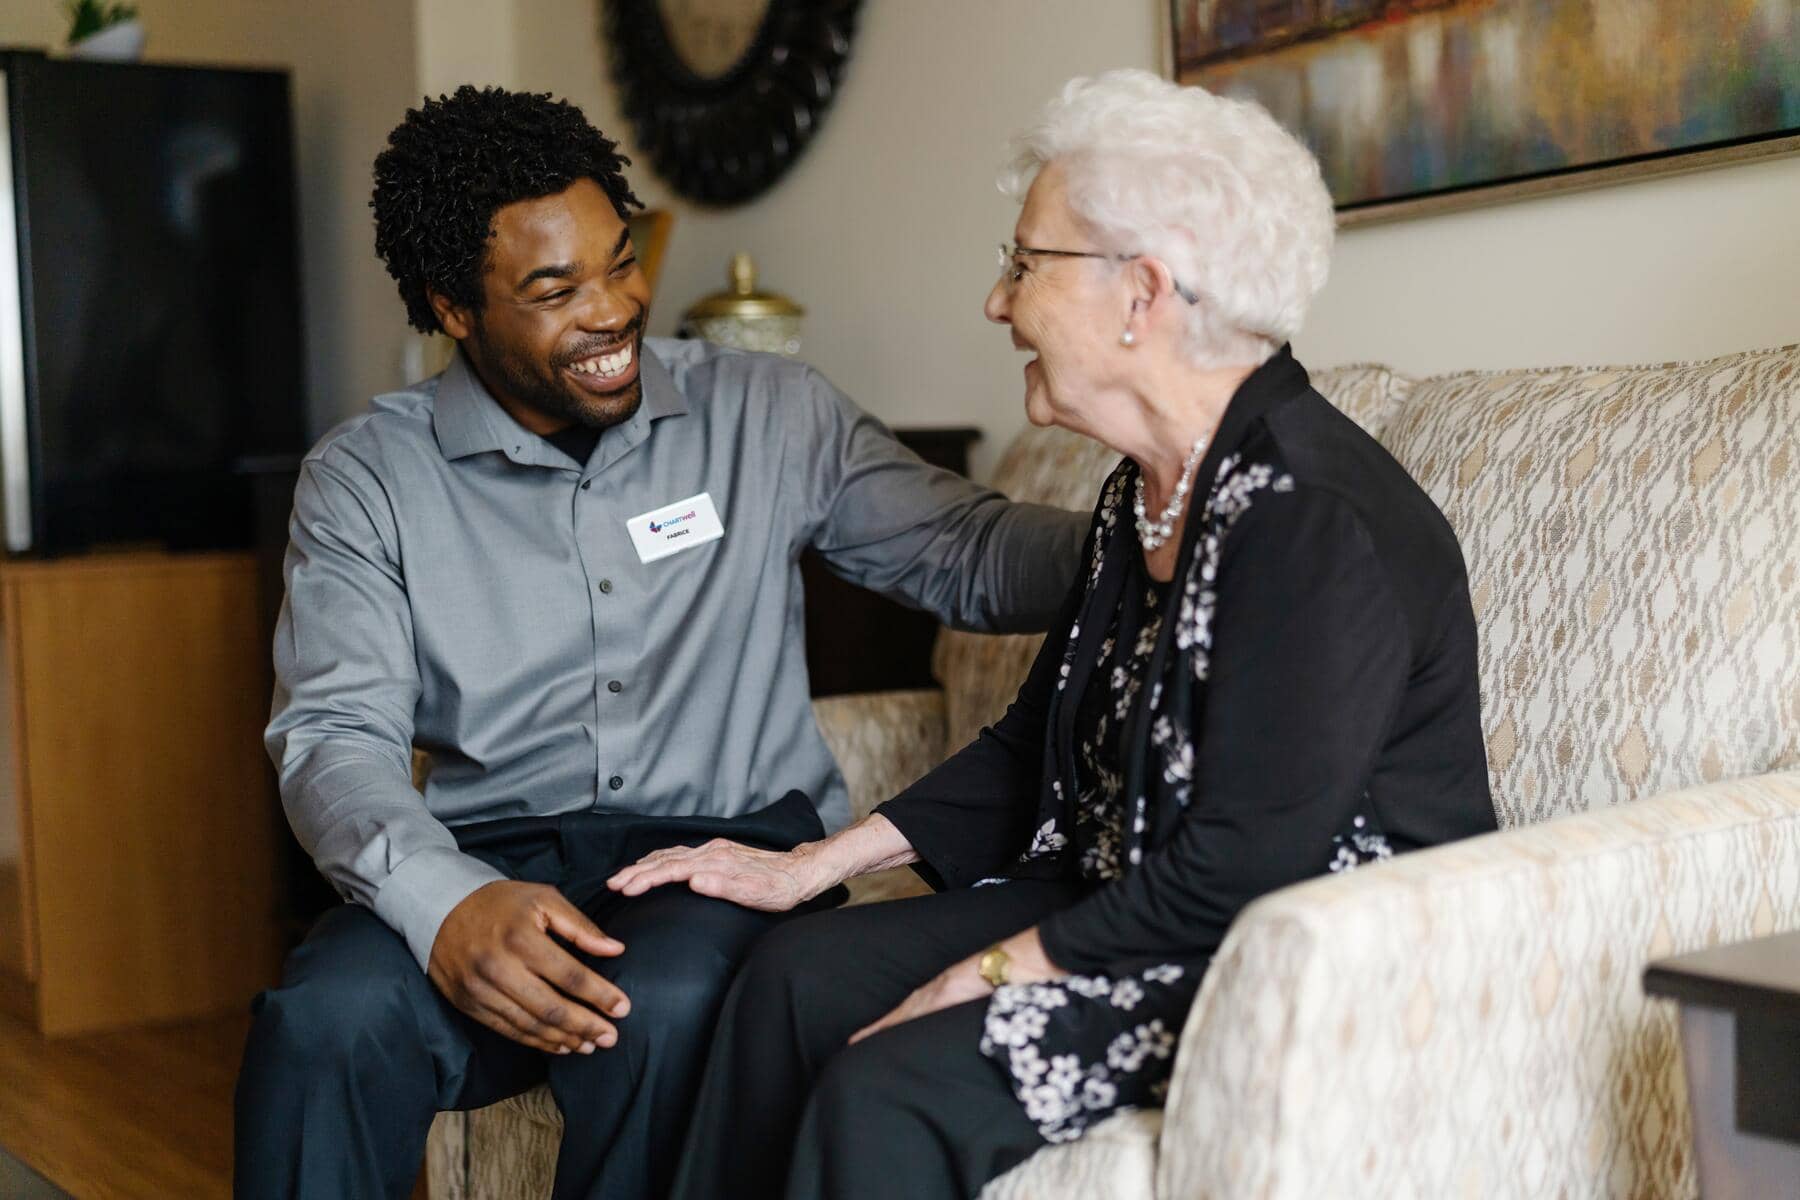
(615, 686)
(605, 586)
(616, 782)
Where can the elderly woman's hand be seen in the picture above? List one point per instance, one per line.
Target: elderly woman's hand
(766, 879)
(962, 982)
(953, 985)
(760, 879)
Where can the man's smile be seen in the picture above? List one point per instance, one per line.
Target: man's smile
(607, 371)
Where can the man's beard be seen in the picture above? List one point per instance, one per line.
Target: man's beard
(526, 382)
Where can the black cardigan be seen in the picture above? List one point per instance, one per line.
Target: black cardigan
(1342, 678)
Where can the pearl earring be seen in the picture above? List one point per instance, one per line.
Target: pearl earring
(1128, 338)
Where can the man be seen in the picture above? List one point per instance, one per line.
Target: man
(566, 568)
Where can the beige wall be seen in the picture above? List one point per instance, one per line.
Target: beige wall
(1679, 267)
(31, 25)
(885, 229)
(353, 77)
(466, 41)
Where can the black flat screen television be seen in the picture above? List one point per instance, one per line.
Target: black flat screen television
(150, 325)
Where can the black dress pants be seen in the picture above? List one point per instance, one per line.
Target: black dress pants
(349, 1059)
(913, 1113)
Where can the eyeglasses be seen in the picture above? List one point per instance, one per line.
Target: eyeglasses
(1013, 270)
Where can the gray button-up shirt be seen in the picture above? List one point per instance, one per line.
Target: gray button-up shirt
(457, 583)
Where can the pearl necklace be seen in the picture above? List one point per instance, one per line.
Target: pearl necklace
(1154, 535)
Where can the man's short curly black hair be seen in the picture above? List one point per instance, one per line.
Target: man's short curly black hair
(454, 162)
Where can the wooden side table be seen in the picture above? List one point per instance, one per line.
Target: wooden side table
(1740, 1045)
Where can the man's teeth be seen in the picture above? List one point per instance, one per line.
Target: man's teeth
(606, 366)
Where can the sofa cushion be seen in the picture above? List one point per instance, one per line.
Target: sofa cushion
(981, 673)
(881, 741)
(1368, 394)
(1633, 542)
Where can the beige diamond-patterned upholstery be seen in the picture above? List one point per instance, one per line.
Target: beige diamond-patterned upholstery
(1631, 542)
(1469, 1020)
(892, 737)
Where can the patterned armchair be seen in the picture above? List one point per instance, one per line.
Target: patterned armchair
(1468, 1020)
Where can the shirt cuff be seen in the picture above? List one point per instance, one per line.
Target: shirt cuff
(422, 890)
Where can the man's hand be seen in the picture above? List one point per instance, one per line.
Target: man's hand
(494, 959)
(759, 879)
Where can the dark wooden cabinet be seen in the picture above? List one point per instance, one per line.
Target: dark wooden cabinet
(857, 641)
(137, 828)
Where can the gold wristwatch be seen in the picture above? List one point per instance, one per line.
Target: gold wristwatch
(994, 966)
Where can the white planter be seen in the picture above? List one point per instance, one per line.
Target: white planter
(123, 42)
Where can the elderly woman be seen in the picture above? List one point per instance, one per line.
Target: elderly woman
(1266, 672)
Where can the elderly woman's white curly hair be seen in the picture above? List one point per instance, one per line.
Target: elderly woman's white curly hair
(1230, 201)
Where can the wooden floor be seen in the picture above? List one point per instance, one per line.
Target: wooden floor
(140, 1114)
(143, 1114)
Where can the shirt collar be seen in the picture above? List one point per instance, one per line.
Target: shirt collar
(1278, 379)
(468, 420)
(465, 416)
(661, 397)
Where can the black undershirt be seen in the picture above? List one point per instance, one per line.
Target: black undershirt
(577, 441)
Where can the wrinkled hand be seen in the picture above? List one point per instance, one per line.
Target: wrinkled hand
(759, 879)
(954, 985)
(494, 959)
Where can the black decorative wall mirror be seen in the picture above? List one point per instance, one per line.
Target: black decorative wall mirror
(723, 95)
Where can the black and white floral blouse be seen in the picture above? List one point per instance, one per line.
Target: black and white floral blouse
(1300, 698)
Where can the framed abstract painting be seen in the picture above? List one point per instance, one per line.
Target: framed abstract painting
(1426, 105)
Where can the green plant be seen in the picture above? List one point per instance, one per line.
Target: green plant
(88, 17)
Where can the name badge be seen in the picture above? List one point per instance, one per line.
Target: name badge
(675, 527)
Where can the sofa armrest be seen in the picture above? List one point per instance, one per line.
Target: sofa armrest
(1470, 1020)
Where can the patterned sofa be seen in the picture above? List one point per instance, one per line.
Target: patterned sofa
(1465, 1021)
